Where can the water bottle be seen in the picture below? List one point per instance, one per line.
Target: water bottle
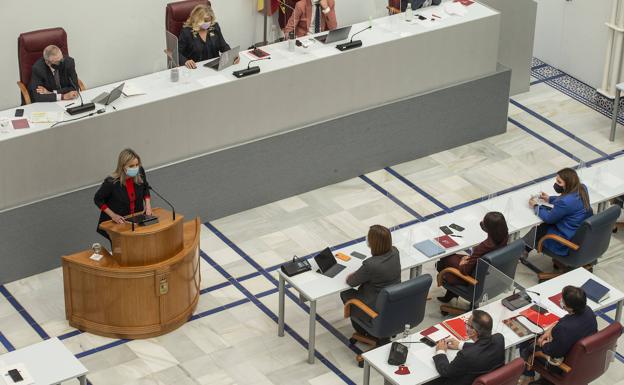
(406, 331)
(175, 74)
(291, 42)
(409, 13)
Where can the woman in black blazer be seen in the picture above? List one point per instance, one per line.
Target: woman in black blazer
(201, 37)
(124, 192)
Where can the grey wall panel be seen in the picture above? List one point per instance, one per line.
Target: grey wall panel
(34, 237)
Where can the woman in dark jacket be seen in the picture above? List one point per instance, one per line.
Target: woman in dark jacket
(381, 270)
(124, 192)
(201, 38)
(495, 226)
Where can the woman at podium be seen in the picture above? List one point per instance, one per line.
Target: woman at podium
(124, 192)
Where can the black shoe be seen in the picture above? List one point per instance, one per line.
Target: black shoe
(447, 297)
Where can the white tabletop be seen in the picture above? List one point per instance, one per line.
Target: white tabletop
(420, 360)
(47, 362)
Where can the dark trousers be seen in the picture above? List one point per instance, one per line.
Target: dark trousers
(526, 351)
(355, 312)
(532, 237)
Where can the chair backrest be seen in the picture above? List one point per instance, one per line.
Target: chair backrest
(177, 13)
(30, 47)
(505, 375)
(593, 237)
(401, 304)
(588, 357)
(505, 261)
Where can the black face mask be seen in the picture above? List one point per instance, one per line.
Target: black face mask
(58, 66)
(558, 188)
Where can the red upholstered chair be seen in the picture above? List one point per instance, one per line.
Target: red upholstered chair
(505, 375)
(30, 46)
(177, 13)
(586, 361)
(394, 7)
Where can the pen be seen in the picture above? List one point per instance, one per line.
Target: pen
(456, 236)
(434, 15)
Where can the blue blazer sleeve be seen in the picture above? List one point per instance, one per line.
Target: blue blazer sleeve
(554, 215)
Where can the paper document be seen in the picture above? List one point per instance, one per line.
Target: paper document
(132, 90)
(46, 117)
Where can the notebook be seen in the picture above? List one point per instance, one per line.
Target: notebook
(543, 320)
(20, 123)
(435, 334)
(446, 241)
(429, 248)
(457, 327)
(595, 291)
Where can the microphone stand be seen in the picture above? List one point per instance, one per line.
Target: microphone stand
(352, 44)
(82, 107)
(249, 70)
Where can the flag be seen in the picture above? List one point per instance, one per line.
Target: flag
(274, 6)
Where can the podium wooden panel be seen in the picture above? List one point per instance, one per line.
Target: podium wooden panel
(149, 286)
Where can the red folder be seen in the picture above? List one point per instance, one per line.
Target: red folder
(20, 123)
(457, 327)
(428, 331)
(556, 299)
(464, 2)
(542, 320)
(446, 241)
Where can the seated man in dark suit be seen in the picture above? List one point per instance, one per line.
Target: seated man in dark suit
(482, 356)
(416, 4)
(557, 341)
(53, 77)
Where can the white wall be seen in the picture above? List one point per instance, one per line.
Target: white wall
(113, 40)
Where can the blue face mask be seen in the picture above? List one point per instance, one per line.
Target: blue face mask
(205, 25)
(132, 171)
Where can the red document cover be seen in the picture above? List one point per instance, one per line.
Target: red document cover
(457, 327)
(446, 241)
(543, 320)
(20, 123)
(428, 331)
(556, 299)
(464, 2)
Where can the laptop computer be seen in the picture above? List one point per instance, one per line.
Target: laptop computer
(327, 263)
(225, 60)
(334, 35)
(107, 98)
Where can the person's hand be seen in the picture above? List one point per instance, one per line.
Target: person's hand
(118, 218)
(532, 202)
(544, 339)
(452, 344)
(237, 60)
(148, 211)
(324, 4)
(544, 196)
(70, 95)
(42, 90)
(441, 345)
(190, 64)
(464, 260)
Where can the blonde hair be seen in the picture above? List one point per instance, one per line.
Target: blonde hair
(197, 16)
(125, 157)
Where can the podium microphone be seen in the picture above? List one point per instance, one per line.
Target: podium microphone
(166, 201)
(352, 44)
(249, 70)
(82, 107)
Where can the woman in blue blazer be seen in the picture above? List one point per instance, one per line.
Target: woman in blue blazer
(569, 210)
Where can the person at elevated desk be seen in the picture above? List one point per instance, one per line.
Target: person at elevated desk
(382, 269)
(485, 354)
(53, 77)
(495, 225)
(124, 192)
(568, 212)
(560, 337)
(416, 4)
(201, 37)
(311, 16)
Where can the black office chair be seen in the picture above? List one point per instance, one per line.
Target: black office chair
(398, 305)
(505, 260)
(588, 244)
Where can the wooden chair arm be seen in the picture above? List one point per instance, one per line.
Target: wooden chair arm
(563, 366)
(393, 10)
(452, 270)
(559, 239)
(24, 91)
(81, 85)
(359, 304)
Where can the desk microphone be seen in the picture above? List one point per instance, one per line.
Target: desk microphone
(163, 198)
(249, 70)
(352, 44)
(82, 107)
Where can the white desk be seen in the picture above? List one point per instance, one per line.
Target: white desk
(420, 360)
(209, 111)
(48, 362)
(616, 109)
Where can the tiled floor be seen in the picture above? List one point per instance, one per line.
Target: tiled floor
(232, 339)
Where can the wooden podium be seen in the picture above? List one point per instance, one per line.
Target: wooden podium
(149, 285)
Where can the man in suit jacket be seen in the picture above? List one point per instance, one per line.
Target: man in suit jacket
(311, 16)
(416, 4)
(53, 77)
(485, 354)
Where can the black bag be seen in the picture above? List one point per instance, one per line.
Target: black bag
(296, 266)
(398, 354)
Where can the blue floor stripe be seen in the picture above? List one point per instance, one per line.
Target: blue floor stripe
(558, 127)
(541, 80)
(548, 142)
(101, 348)
(274, 281)
(417, 189)
(25, 315)
(215, 287)
(273, 316)
(539, 66)
(70, 334)
(390, 196)
(6, 343)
